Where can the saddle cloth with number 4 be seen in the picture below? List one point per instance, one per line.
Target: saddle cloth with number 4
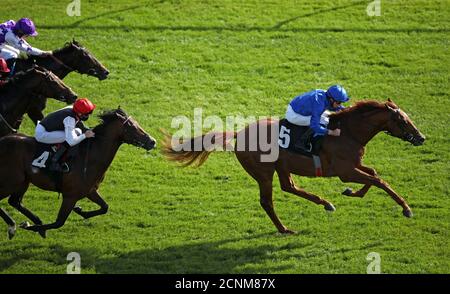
(44, 154)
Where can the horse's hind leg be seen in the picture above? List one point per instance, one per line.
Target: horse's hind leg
(264, 176)
(96, 198)
(11, 223)
(287, 184)
(361, 192)
(15, 200)
(265, 190)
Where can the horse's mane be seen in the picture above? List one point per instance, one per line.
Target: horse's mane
(107, 117)
(361, 107)
(68, 46)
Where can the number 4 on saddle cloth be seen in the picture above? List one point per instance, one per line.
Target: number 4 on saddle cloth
(288, 136)
(44, 154)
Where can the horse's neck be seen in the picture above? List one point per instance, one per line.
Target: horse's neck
(16, 99)
(104, 148)
(363, 130)
(52, 65)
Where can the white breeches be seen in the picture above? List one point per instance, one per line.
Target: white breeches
(8, 52)
(54, 137)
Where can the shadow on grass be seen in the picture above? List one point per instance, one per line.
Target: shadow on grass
(248, 29)
(238, 28)
(243, 255)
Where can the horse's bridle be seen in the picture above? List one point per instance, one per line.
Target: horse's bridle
(71, 69)
(134, 141)
(47, 76)
(406, 136)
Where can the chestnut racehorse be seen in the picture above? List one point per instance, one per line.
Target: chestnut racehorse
(340, 156)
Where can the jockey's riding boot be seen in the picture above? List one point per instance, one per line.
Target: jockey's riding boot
(304, 142)
(55, 165)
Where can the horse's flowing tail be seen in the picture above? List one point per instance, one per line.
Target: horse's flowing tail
(195, 151)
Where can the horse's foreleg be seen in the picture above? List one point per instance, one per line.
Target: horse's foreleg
(96, 198)
(287, 185)
(358, 176)
(265, 189)
(35, 110)
(11, 223)
(361, 192)
(66, 207)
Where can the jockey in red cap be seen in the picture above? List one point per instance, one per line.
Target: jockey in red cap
(65, 126)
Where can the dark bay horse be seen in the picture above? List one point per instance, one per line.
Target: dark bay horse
(18, 94)
(87, 169)
(72, 57)
(340, 156)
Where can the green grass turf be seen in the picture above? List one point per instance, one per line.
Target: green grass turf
(248, 58)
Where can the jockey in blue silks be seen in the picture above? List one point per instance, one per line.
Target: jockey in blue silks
(308, 109)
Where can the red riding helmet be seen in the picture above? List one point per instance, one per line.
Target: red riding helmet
(3, 66)
(83, 106)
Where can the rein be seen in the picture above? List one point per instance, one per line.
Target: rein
(86, 159)
(366, 122)
(7, 124)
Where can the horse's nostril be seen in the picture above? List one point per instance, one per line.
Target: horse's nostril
(106, 72)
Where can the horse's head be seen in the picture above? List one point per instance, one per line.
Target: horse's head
(49, 85)
(128, 130)
(84, 62)
(401, 126)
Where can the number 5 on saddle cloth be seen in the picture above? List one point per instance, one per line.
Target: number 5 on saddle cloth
(288, 136)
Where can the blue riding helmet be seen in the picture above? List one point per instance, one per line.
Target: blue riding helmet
(338, 93)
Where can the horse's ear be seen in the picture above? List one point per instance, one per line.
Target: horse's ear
(119, 112)
(75, 43)
(392, 103)
(389, 107)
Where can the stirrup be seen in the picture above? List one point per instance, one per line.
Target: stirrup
(307, 148)
(301, 146)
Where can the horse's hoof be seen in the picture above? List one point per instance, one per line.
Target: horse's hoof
(329, 207)
(24, 225)
(287, 232)
(77, 209)
(43, 234)
(407, 213)
(347, 192)
(11, 232)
